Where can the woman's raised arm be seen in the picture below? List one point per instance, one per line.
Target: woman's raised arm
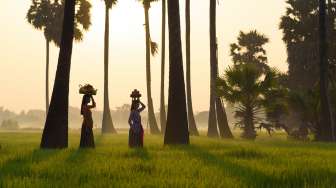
(93, 103)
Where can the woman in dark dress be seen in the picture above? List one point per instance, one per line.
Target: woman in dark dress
(136, 132)
(87, 139)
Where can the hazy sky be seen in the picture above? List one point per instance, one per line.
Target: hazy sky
(22, 50)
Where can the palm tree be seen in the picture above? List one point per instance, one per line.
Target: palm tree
(250, 49)
(40, 16)
(307, 105)
(163, 118)
(223, 124)
(325, 131)
(217, 113)
(107, 123)
(276, 100)
(191, 119)
(212, 122)
(177, 120)
(151, 47)
(246, 86)
(55, 133)
(47, 16)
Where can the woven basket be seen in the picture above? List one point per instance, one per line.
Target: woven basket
(87, 90)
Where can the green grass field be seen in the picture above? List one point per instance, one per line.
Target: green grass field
(266, 162)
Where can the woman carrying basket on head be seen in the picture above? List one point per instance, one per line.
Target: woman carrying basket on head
(87, 139)
(136, 132)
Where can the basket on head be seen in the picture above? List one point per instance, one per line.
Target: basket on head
(87, 89)
(135, 95)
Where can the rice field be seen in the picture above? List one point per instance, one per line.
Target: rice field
(266, 162)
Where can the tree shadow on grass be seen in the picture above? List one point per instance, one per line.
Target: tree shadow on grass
(20, 165)
(78, 155)
(247, 175)
(250, 177)
(138, 153)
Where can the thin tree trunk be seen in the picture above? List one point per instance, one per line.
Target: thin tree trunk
(212, 122)
(191, 119)
(47, 75)
(107, 123)
(163, 118)
(325, 131)
(151, 115)
(55, 133)
(177, 120)
(223, 124)
(331, 26)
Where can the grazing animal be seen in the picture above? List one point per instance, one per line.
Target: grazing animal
(269, 128)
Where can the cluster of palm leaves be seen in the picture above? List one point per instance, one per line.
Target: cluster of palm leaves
(307, 105)
(47, 15)
(309, 33)
(250, 49)
(254, 94)
(264, 99)
(258, 91)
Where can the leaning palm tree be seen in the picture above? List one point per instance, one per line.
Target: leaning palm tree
(107, 124)
(55, 133)
(191, 119)
(177, 120)
(47, 15)
(163, 118)
(151, 47)
(217, 113)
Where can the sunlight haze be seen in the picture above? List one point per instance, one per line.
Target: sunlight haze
(22, 50)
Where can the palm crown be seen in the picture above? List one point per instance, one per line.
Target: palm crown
(47, 15)
(251, 89)
(249, 49)
(110, 3)
(147, 3)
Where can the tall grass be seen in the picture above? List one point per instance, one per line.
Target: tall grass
(266, 162)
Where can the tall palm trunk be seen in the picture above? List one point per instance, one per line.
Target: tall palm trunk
(151, 116)
(55, 133)
(212, 122)
(177, 120)
(325, 131)
(107, 124)
(47, 75)
(163, 118)
(191, 119)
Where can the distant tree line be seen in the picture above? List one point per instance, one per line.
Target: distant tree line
(34, 119)
(9, 124)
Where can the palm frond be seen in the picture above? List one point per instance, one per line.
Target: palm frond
(154, 48)
(110, 3)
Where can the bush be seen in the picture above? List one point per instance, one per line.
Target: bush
(9, 125)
